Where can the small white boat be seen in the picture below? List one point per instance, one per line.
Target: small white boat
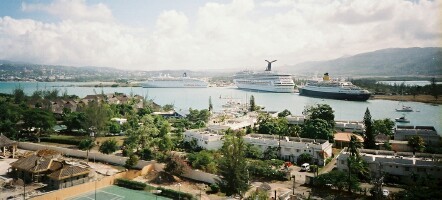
(402, 120)
(404, 109)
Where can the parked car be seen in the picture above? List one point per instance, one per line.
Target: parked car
(385, 192)
(305, 167)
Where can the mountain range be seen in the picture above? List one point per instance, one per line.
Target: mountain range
(385, 62)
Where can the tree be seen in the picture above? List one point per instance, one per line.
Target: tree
(271, 153)
(97, 115)
(39, 119)
(253, 106)
(356, 165)
(131, 161)
(317, 129)
(369, 137)
(383, 126)
(337, 179)
(253, 152)
(416, 143)
(258, 194)
(19, 95)
(109, 146)
(210, 103)
(233, 166)
(75, 120)
(284, 113)
(86, 145)
(176, 165)
(10, 115)
(321, 111)
(304, 158)
(203, 160)
(168, 107)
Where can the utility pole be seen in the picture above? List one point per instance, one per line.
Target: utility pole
(293, 187)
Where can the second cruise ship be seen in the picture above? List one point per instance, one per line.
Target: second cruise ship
(265, 81)
(174, 82)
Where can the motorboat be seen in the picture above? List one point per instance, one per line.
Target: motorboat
(402, 120)
(404, 109)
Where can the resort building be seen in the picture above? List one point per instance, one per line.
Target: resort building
(342, 126)
(427, 133)
(49, 167)
(7, 147)
(401, 164)
(293, 147)
(205, 139)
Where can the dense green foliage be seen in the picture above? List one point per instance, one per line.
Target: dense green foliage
(336, 179)
(204, 160)
(304, 158)
(321, 111)
(233, 166)
(416, 143)
(86, 144)
(175, 194)
(176, 165)
(401, 89)
(109, 146)
(383, 126)
(61, 140)
(130, 184)
(369, 136)
(317, 129)
(266, 170)
(132, 161)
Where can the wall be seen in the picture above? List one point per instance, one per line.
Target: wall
(88, 187)
(117, 160)
(193, 174)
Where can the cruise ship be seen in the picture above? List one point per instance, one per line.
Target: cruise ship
(174, 82)
(334, 90)
(265, 81)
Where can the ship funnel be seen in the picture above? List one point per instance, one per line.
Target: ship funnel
(269, 65)
(185, 74)
(326, 77)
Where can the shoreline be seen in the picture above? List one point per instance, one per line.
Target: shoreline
(418, 98)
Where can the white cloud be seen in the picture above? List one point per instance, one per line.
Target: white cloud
(233, 35)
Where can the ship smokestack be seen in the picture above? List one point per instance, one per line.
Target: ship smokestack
(326, 77)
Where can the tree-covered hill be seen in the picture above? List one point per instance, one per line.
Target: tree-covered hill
(386, 62)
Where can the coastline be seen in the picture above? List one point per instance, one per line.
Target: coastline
(418, 98)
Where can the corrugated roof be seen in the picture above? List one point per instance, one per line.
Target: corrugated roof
(5, 142)
(68, 171)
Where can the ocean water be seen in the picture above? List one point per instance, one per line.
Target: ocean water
(198, 98)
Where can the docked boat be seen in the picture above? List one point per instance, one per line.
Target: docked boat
(174, 82)
(334, 90)
(402, 120)
(404, 109)
(267, 80)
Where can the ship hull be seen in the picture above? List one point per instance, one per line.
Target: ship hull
(174, 84)
(335, 95)
(267, 88)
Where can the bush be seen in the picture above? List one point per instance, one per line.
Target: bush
(131, 184)
(70, 141)
(304, 158)
(175, 194)
(214, 188)
(263, 169)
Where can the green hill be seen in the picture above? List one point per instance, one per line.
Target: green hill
(385, 62)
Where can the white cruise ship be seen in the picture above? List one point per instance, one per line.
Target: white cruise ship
(174, 82)
(265, 81)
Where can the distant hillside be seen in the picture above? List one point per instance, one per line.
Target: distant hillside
(385, 62)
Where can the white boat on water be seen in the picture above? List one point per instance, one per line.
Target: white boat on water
(174, 82)
(404, 109)
(402, 120)
(267, 80)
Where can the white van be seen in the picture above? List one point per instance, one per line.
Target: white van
(305, 167)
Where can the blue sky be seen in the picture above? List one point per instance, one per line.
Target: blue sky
(218, 34)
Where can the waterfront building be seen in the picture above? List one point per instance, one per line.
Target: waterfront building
(205, 139)
(427, 133)
(403, 165)
(293, 147)
(340, 125)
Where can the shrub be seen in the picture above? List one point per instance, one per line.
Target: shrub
(214, 188)
(131, 184)
(61, 140)
(304, 158)
(175, 194)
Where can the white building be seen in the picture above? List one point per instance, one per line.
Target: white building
(291, 147)
(205, 139)
(120, 121)
(401, 164)
(427, 133)
(343, 126)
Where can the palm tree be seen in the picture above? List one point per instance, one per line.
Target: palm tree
(417, 143)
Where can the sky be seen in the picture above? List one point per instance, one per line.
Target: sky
(210, 35)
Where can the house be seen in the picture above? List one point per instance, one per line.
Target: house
(403, 165)
(342, 126)
(342, 139)
(293, 147)
(205, 139)
(7, 145)
(170, 114)
(48, 166)
(427, 133)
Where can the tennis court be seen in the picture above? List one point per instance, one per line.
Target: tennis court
(116, 193)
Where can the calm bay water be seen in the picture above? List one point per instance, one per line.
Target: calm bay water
(198, 98)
